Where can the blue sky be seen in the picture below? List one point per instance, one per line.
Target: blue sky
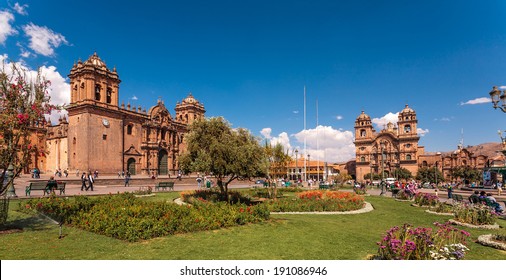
(250, 60)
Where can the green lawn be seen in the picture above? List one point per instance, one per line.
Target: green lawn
(300, 237)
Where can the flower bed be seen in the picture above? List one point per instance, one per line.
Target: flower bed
(403, 196)
(318, 201)
(408, 243)
(214, 195)
(125, 217)
(426, 199)
(474, 214)
(493, 240)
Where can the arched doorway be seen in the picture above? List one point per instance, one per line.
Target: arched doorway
(163, 160)
(131, 166)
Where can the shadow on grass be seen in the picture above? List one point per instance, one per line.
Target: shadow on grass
(32, 223)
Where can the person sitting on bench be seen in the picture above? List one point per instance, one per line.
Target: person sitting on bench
(51, 185)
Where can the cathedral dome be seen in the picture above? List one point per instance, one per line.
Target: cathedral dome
(407, 110)
(363, 116)
(190, 99)
(94, 60)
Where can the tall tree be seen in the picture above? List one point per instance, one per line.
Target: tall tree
(426, 174)
(278, 161)
(228, 154)
(23, 103)
(402, 173)
(466, 173)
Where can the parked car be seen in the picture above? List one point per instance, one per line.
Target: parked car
(260, 182)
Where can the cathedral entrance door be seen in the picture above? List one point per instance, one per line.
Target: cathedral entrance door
(163, 160)
(131, 166)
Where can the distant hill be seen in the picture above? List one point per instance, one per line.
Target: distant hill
(487, 149)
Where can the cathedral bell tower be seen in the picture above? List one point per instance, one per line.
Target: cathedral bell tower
(407, 123)
(92, 82)
(189, 110)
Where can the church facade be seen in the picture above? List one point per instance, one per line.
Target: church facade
(395, 146)
(100, 134)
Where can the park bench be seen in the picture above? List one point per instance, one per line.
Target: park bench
(42, 186)
(164, 186)
(324, 186)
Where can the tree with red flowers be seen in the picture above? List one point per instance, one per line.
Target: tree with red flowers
(24, 101)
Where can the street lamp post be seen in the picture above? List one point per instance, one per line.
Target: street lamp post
(296, 168)
(382, 145)
(503, 142)
(309, 162)
(496, 95)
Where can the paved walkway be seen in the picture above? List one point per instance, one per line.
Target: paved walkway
(113, 184)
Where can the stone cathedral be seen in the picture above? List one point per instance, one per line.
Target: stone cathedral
(393, 147)
(100, 134)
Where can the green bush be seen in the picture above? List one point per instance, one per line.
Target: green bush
(125, 217)
(442, 207)
(426, 199)
(474, 214)
(318, 201)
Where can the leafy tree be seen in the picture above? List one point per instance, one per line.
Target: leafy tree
(402, 173)
(278, 161)
(228, 154)
(374, 176)
(342, 178)
(426, 174)
(466, 173)
(23, 103)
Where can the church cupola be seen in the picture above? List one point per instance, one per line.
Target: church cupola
(363, 127)
(92, 81)
(189, 110)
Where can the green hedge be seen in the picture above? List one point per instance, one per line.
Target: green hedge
(125, 217)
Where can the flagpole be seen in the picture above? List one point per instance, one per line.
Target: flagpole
(305, 152)
(317, 146)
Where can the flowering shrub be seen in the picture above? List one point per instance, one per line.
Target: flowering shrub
(144, 190)
(360, 191)
(403, 195)
(408, 243)
(474, 214)
(442, 207)
(426, 199)
(214, 195)
(318, 201)
(125, 217)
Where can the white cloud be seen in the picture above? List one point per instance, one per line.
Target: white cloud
(21, 9)
(422, 131)
(59, 89)
(282, 138)
(134, 97)
(480, 100)
(295, 112)
(383, 121)
(339, 117)
(6, 28)
(327, 144)
(42, 39)
(266, 132)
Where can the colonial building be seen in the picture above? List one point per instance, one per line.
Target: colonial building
(393, 147)
(100, 134)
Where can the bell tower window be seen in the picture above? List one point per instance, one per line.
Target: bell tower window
(97, 92)
(362, 133)
(407, 128)
(109, 96)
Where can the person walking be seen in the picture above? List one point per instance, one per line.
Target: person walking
(91, 180)
(127, 179)
(199, 181)
(450, 191)
(83, 181)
